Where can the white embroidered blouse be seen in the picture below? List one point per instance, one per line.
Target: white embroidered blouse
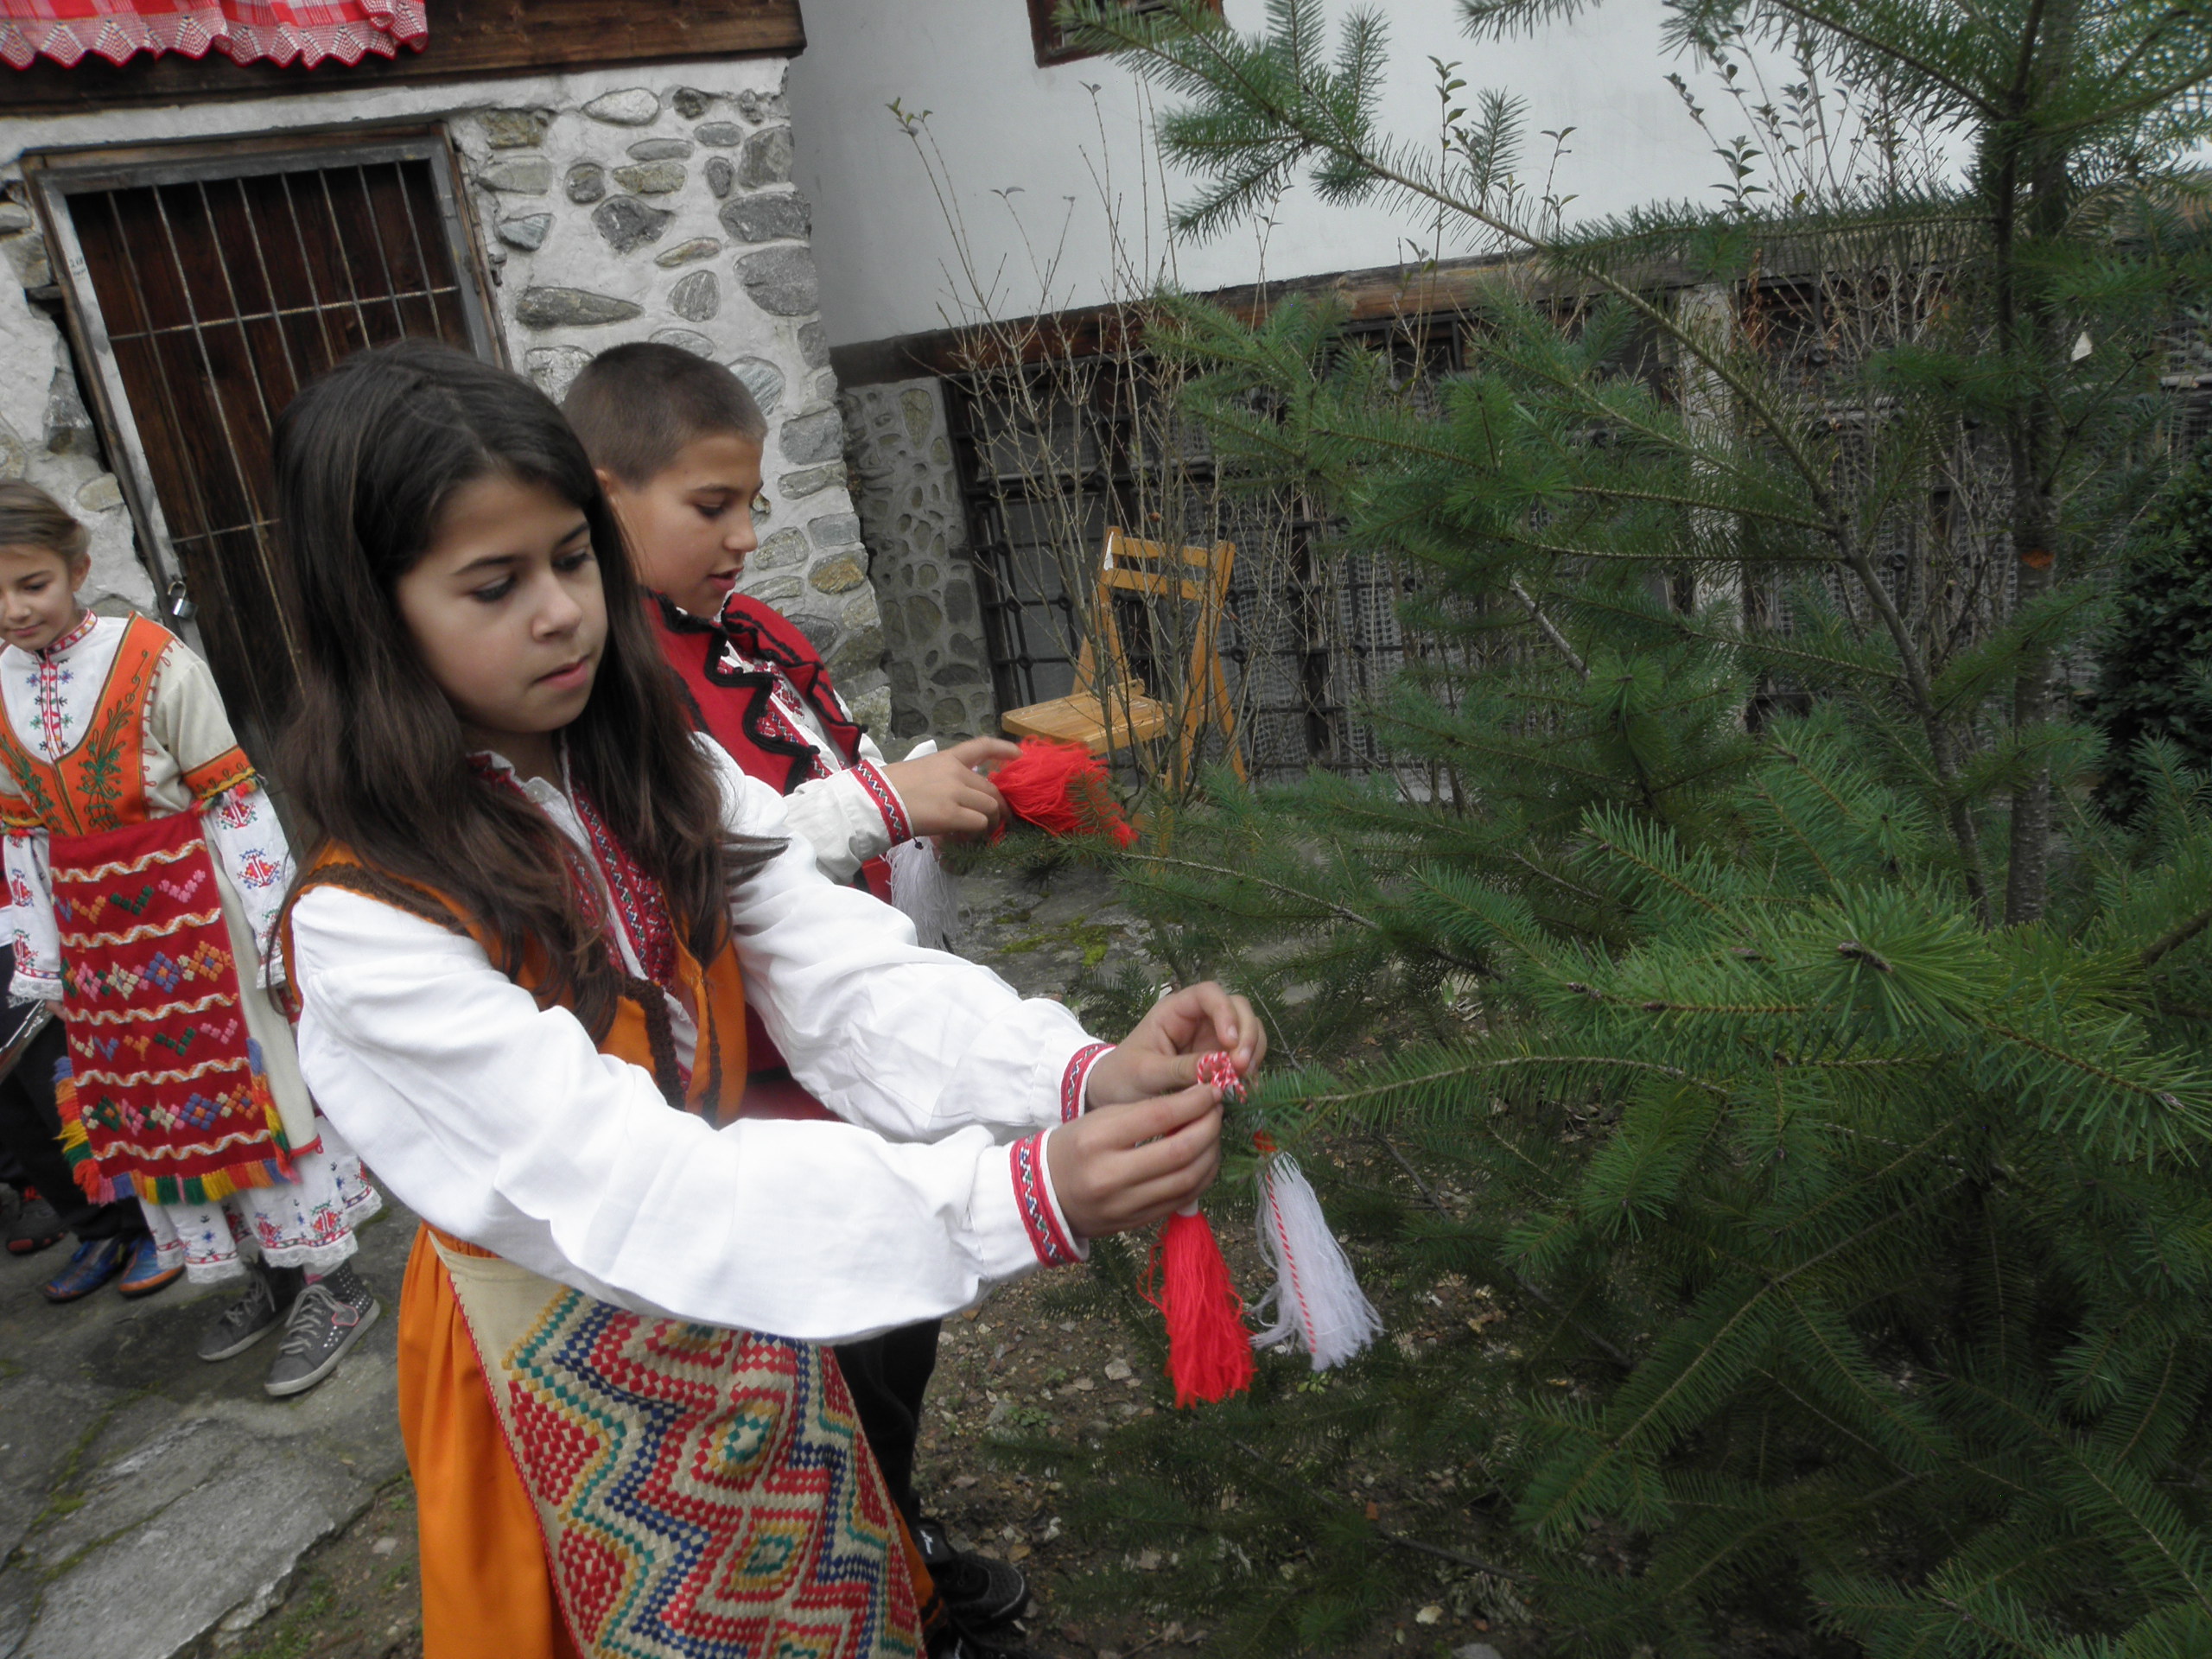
(501, 1122)
(50, 697)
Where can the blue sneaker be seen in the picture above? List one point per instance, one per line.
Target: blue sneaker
(93, 1265)
(146, 1273)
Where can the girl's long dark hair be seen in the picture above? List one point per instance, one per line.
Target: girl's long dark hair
(366, 458)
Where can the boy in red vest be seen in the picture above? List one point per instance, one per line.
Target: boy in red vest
(676, 442)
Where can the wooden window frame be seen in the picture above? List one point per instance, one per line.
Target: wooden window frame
(54, 176)
(1052, 48)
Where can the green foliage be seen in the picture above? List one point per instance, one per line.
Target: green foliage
(1871, 1245)
(2155, 657)
(1728, 976)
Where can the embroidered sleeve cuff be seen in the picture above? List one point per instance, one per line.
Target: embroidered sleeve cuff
(870, 778)
(1049, 1235)
(1075, 1082)
(227, 770)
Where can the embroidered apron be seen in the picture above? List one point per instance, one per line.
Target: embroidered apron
(166, 1094)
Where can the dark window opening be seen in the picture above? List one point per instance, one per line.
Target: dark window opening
(1051, 40)
(203, 288)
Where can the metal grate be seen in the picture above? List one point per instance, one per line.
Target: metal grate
(1306, 641)
(204, 291)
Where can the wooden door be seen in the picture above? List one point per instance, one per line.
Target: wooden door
(204, 291)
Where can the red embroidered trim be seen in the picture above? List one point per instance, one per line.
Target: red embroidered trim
(789, 726)
(886, 800)
(1077, 1074)
(640, 907)
(227, 770)
(639, 904)
(84, 627)
(1046, 1236)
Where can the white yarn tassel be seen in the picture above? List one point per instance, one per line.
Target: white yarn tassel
(1318, 1304)
(919, 887)
(929, 898)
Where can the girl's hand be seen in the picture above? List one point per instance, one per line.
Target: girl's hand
(1162, 1055)
(1127, 1165)
(945, 795)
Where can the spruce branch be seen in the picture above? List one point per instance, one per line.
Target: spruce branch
(1550, 630)
(1489, 1569)
(2175, 936)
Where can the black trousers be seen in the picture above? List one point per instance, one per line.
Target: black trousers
(30, 1137)
(888, 1375)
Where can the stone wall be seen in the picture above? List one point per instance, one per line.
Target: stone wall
(908, 495)
(616, 205)
(663, 210)
(45, 435)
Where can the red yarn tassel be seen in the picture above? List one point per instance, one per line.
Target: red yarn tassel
(1063, 790)
(1209, 1349)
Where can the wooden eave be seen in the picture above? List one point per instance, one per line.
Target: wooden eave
(1365, 295)
(469, 40)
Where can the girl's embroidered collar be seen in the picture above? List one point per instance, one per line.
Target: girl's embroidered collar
(76, 636)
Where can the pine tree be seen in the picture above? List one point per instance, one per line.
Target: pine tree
(2155, 655)
(1745, 1004)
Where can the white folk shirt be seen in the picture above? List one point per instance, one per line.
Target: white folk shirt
(502, 1123)
(51, 697)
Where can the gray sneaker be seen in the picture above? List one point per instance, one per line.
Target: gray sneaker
(244, 1322)
(328, 1318)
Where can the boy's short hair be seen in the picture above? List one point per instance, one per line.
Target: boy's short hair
(636, 406)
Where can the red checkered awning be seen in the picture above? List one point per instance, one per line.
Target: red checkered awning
(284, 31)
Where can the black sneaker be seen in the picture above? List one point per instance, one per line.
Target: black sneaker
(328, 1319)
(245, 1321)
(37, 1226)
(978, 1591)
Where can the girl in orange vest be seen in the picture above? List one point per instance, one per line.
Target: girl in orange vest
(144, 871)
(523, 957)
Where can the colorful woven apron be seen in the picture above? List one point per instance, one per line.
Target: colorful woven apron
(166, 1088)
(704, 1493)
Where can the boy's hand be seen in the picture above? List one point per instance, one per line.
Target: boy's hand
(945, 795)
(1126, 1165)
(1162, 1055)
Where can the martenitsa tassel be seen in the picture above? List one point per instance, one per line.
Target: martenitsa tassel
(921, 888)
(1063, 789)
(1209, 1349)
(1318, 1306)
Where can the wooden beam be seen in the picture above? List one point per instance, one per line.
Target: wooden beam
(1373, 296)
(1366, 296)
(468, 39)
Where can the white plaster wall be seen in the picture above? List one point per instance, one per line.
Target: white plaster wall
(1006, 125)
